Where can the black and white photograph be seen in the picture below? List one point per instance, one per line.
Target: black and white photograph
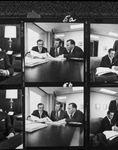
(54, 52)
(103, 53)
(54, 116)
(10, 54)
(59, 75)
(11, 119)
(104, 117)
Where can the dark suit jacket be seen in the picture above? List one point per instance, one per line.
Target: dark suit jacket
(4, 63)
(112, 107)
(105, 62)
(76, 53)
(105, 125)
(44, 50)
(5, 126)
(77, 117)
(62, 50)
(36, 113)
(63, 114)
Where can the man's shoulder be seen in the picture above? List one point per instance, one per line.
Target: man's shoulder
(105, 57)
(78, 112)
(77, 48)
(34, 47)
(44, 111)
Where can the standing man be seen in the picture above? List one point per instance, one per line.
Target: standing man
(108, 60)
(73, 51)
(39, 48)
(6, 129)
(106, 123)
(58, 113)
(74, 114)
(113, 106)
(57, 49)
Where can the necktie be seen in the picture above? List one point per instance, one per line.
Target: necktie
(57, 115)
(56, 53)
(71, 116)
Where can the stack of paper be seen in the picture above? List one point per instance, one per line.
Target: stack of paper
(30, 127)
(104, 70)
(110, 134)
(30, 62)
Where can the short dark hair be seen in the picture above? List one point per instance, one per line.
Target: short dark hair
(71, 41)
(59, 103)
(109, 111)
(58, 39)
(73, 105)
(40, 104)
(111, 49)
(39, 41)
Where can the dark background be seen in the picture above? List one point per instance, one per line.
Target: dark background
(59, 8)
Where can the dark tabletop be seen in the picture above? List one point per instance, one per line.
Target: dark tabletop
(14, 80)
(55, 136)
(56, 71)
(12, 143)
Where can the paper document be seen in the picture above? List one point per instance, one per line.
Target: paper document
(57, 123)
(30, 62)
(104, 70)
(110, 134)
(34, 126)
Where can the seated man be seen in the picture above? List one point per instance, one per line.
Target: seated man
(40, 112)
(39, 48)
(6, 129)
(108, 60)
(6, 69)
(58, 113)
(57, 50)
(73, 51)
(107, 123)
(74, 114)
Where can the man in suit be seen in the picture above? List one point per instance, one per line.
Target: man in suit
(74, 114)
(57, 50)
(73, 51)
(108, 60)
(40, 113)
(6, 129)
(39, 48)
(6, 69)
(58, 113)
(113, 106)
(106, 123)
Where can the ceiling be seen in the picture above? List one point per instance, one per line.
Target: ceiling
(96, 89)
(56, 27)
(103, 29)
(59, 90)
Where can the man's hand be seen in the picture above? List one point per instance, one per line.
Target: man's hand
(10, 135)
(4, 72)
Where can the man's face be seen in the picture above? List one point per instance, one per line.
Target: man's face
(70, 109)
(56, 44)
(40, 44)
(69, 46)
(57, 107)
(40, 108)
(110, 116)
(112, 54)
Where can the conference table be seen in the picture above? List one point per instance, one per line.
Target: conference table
(55, 136)
(56, 71)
